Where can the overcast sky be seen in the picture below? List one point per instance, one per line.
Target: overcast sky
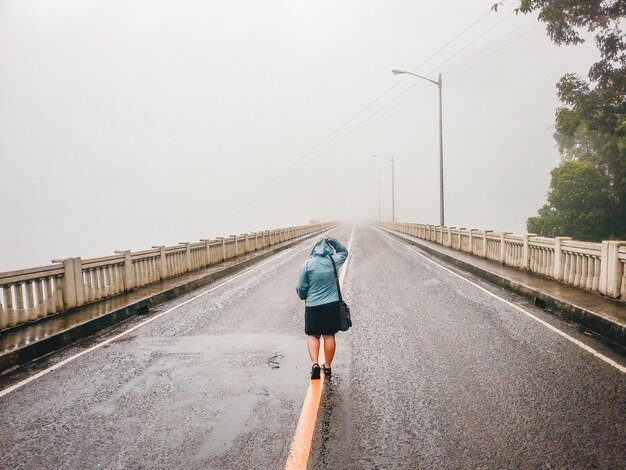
(131, 123)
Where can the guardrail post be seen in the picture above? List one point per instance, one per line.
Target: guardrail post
(484, 253)
(611, 268)
(187, 256)
(526, 251)
(207, 252)
(451, 231)
(559, 258)
(127, 275)
(460, 248)
(223, 240)
(503, 247)
(163, 274)
(8, 315)
(236, 245)
(73, 285)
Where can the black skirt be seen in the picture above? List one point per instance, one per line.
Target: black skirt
(322, 319)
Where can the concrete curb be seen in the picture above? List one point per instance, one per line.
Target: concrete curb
(56, 341)
(614, 332)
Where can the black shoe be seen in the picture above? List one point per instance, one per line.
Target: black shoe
(327, 371)
(315, 372)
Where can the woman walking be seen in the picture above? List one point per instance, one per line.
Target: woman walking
(317, 286)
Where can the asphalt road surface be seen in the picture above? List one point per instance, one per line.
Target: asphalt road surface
(434, 374)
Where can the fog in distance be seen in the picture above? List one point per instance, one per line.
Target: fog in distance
(130, 124)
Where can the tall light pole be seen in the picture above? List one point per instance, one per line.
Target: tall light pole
(438, 83)
(393, 192)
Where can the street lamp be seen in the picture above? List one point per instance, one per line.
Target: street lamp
(393, 193)
(438, 83)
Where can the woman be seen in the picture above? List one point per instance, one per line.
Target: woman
(317, 285)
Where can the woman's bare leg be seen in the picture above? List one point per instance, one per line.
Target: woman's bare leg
(329, 349)
(313, 344)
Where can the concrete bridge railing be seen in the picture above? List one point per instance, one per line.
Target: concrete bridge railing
(598, 267)
(30, 294)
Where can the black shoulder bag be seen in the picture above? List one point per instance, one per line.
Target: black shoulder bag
(345, 322)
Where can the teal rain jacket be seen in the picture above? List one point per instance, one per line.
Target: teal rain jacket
(316, 280)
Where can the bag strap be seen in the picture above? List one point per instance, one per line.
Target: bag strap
(336, 278)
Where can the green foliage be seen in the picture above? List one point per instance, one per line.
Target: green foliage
(577, 203)
(587, 195)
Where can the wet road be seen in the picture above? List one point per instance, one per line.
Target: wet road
(435, 374)
(438, 374)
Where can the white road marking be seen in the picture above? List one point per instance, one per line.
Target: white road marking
(38, 375)
(589, 349)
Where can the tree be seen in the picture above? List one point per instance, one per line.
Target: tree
(573, 208)
(591, 124)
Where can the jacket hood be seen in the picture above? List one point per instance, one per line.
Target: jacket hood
(322, 248)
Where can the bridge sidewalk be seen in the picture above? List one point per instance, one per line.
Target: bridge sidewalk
(32, 340)
(592, 311)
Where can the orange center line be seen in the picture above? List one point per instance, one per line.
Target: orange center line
(303, 437)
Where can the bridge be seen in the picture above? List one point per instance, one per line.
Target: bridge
(470, 349)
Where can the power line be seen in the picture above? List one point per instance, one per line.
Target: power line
(421, 84)
(496, 52)
(454, 77)
(273, 179)
(360, 124)
(451, 41)
(473, 41)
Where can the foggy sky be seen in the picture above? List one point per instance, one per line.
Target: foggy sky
(127, 124)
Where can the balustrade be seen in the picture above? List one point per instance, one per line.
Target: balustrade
(599, 267)
(30, 294)
(514, 252)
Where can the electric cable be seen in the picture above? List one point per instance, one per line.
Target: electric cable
(360, 124)
(494, 53)
(454, 77)
(271, 180)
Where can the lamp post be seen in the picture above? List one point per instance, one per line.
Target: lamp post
(393, 193)
(438, 83)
